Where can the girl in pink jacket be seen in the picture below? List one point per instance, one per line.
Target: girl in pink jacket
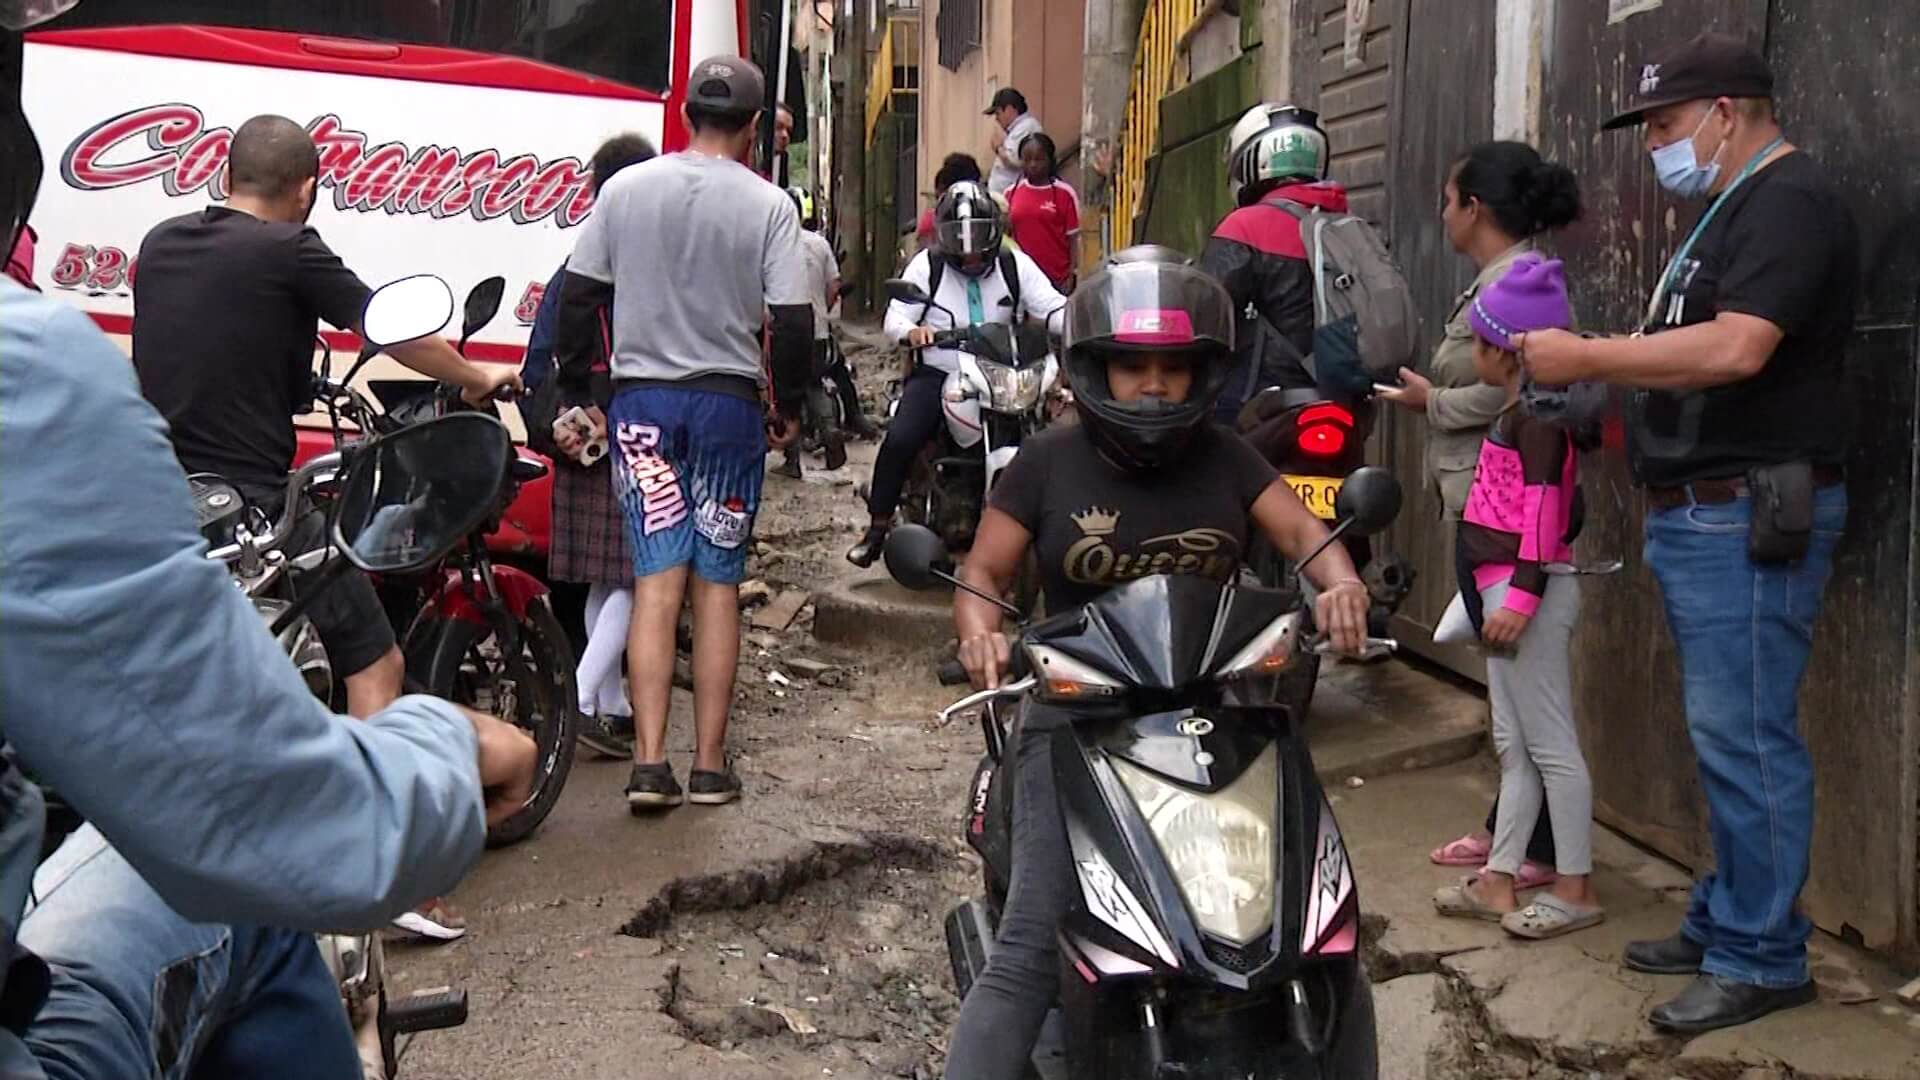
(1515, 526)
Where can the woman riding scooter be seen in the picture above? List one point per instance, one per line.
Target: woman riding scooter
(1145, 484)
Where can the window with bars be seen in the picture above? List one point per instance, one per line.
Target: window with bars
(957, 28)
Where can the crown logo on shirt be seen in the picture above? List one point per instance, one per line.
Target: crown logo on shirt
(1097, 521)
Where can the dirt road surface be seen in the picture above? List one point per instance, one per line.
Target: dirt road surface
(797, 934)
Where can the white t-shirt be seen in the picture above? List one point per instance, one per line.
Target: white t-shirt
(822, 269)
(1006, 164)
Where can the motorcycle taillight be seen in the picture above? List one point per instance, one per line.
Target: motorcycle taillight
(1322, 430)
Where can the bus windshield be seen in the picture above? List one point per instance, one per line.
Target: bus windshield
(628, 41)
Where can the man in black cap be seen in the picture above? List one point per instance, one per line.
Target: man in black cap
(1009, 110)
(1737, 428)
(691, 252)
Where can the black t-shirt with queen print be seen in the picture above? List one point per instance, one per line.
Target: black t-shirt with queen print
(1095, 525)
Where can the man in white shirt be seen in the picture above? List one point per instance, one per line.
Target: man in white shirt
(823, 288)
(972, 269)
(1009, 110)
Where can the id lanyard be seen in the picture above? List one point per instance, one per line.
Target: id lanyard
(1679, 257)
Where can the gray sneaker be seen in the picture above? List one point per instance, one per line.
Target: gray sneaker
(652, 787)
(608, 736)
(706, 788)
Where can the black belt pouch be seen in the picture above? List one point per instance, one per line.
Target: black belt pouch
(1782, 512)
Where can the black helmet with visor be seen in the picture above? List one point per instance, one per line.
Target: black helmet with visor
(966, 223)
(1147, 299)
(20, 161)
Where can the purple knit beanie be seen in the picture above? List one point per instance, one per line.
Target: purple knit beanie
(1532, 295)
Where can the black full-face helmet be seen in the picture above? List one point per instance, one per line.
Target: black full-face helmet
(20, 161)
(1147, 299)
(966, 225)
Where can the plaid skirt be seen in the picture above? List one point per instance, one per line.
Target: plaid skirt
(589, 530)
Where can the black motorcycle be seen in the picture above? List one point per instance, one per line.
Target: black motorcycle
(1317, 440)
(1216, 928)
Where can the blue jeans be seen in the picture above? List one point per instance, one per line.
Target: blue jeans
(139, 991)
(1744, 631)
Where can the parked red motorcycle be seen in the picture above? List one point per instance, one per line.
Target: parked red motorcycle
(473, 631)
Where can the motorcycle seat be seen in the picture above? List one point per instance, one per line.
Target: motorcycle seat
(526, 470)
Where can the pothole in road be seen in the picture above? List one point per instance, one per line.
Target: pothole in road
(846, 973)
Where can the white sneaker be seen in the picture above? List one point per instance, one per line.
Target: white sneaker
(435, 920)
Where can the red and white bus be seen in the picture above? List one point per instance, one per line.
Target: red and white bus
(453, 134)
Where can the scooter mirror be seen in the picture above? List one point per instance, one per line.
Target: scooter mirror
(907, 292)
(483, 303)
(403, 310)
(409, 497)
(1369, 500)
(916, 557)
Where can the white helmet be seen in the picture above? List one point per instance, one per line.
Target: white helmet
(1275, 142)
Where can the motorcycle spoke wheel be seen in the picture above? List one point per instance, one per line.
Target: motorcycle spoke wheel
(469, 667)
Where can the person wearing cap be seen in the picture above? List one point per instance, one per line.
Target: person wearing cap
(1737, 427)
(1515, 521)
(692, 252)
(1009, 110)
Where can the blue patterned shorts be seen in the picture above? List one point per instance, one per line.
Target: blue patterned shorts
(688, 470)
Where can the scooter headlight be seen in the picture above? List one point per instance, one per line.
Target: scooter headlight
(1219, 846)
(1010, 389)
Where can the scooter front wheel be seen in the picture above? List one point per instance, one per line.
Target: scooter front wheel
(468, 667)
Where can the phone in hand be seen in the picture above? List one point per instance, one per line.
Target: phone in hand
(593, 436)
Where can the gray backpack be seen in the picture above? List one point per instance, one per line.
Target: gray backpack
(1365, 328)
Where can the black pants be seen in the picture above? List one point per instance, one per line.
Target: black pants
(1540, 844)
(834, 364)
(1001, 1018)
(347, 613)
(915, 422)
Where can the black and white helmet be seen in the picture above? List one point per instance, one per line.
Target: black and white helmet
(1275, 143)
(966, 222)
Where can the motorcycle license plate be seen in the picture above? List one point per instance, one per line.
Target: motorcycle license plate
(1318, 492)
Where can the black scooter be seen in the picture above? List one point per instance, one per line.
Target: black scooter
(1216, 928)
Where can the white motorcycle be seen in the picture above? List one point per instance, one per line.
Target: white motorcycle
(995, 400)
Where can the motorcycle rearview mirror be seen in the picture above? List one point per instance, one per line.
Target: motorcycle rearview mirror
(1369, 499)
(1368, 502)
(906, 292)
(483, 303)
(403, 310)
(408, 498)
(917, 559)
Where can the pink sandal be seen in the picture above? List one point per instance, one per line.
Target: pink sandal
(1469, 850)
(1532, 875)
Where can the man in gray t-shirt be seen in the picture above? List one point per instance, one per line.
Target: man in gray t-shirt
(694, 254)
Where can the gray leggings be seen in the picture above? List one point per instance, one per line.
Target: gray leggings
(1003, 1013)
(1532, 695)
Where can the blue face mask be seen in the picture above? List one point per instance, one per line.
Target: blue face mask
(1680, 171)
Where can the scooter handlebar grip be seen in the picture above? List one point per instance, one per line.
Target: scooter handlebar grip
(952, 673)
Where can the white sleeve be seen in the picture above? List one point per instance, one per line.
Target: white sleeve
(904, 317)
(1037, 294)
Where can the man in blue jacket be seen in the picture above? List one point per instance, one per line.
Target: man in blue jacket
(231, 814)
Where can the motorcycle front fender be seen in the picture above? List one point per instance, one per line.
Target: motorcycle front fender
(455, 603)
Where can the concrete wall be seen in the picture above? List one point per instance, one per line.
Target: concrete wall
(1035, 46)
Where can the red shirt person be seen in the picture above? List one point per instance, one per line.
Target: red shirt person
(1043, 211)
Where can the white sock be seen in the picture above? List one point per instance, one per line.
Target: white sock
(606, 644)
